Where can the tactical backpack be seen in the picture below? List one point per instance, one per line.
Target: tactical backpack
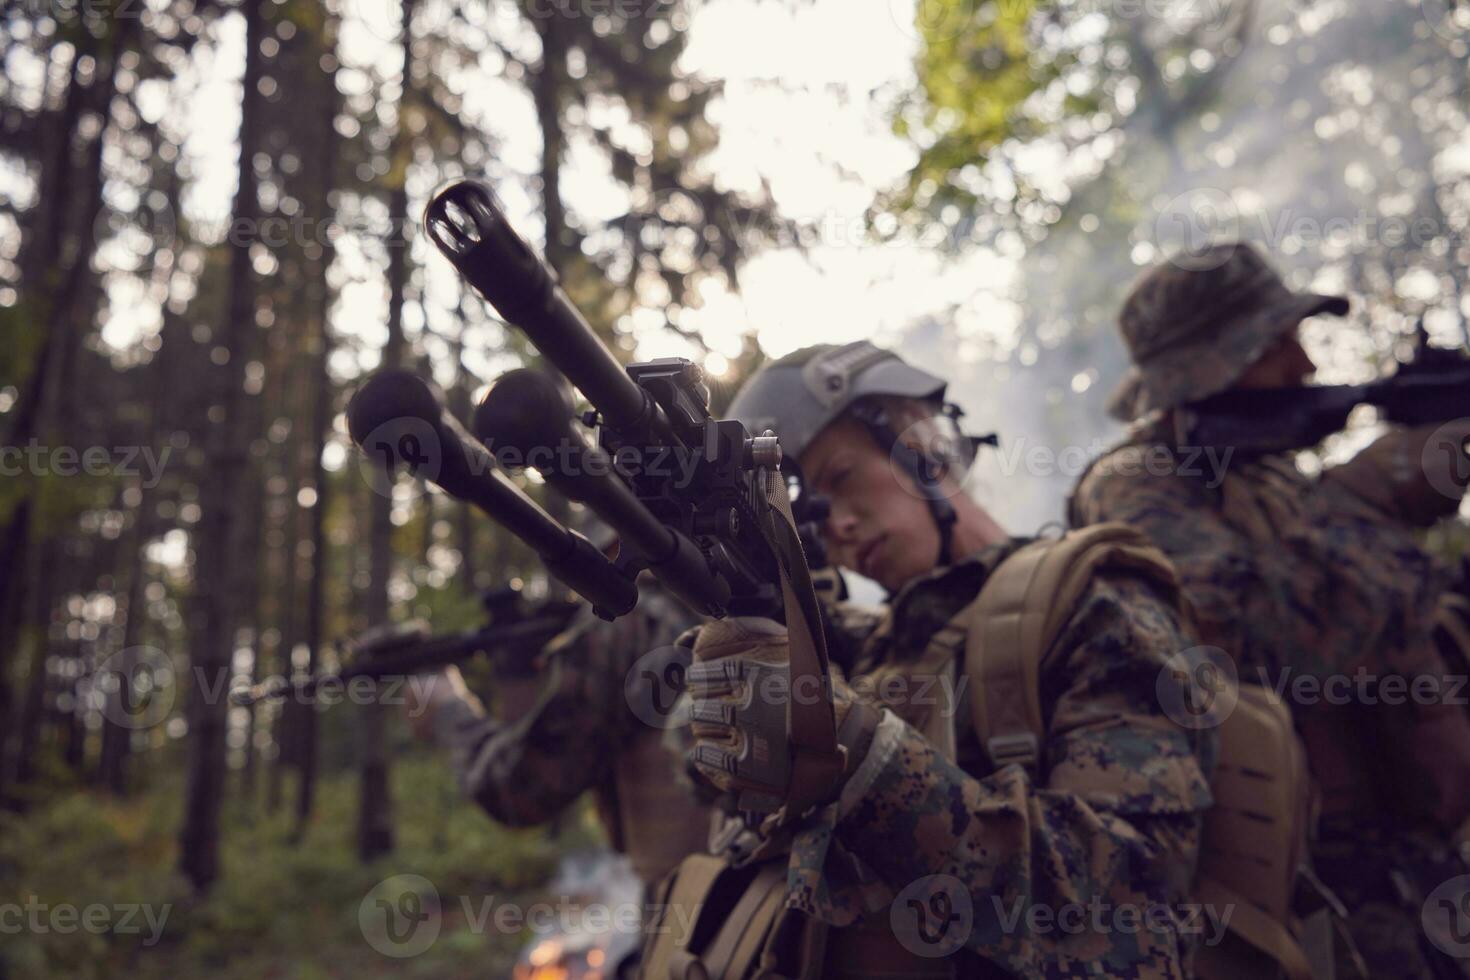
(1252, 856)
(735, 926)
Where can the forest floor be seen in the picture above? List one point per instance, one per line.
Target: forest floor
(99, 894)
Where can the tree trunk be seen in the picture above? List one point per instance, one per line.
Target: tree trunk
(321, 424)
(460, 401)
(48, 405)
(199, 839)
(12, 615)
(375, 827)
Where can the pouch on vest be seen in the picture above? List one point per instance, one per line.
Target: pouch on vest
(720, 922)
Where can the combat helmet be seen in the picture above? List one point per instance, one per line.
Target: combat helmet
(802, 393)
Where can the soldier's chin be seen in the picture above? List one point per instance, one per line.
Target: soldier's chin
(900, 570)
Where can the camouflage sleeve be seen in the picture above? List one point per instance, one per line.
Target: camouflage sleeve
(1112, 830)
(1227, 591)
(526, 772)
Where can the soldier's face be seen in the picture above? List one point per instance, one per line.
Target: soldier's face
(1285, 364)
(879, 526)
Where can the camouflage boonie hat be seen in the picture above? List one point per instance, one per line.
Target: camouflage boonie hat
(1195, 322)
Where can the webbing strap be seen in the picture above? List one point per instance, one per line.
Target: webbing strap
(693, 880)
(1006, 710)
(816, 760)
(1015, 620)
(741, 936)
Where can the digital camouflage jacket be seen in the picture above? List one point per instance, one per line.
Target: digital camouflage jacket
(584, 733)
(1319, 593)
(1318, 589)
(1080, 871)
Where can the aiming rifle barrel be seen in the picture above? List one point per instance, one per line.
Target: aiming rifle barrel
(529, 412)
(399, 418)
(412, 657)
(466, 222)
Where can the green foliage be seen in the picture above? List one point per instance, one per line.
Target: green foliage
(21, 330)
(975, 73)
(280, 908)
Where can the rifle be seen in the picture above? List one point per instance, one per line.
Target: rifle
(697, 501)
(514, 633)
(1433, 386)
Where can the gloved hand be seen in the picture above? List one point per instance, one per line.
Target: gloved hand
(740, 685)
(428, 692)
(1416, 475)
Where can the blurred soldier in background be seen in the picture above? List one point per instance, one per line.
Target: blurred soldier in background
(606, 692)
(1312, 585)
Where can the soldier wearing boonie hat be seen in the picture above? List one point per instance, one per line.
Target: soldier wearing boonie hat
(1298, 578)
(1195, 323)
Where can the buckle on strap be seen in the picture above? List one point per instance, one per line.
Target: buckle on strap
(1018, 747)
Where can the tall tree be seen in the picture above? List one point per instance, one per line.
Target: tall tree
(375, 826)
(228, 456)
(65, 303)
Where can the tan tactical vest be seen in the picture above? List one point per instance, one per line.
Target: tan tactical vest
(1254, 836)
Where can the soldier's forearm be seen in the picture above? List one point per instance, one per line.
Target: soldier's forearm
(1415, 476)
(1021, 855)
(438, 701)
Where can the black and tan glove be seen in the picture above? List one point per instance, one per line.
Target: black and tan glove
(740, 685)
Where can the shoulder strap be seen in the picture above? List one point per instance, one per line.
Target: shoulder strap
(1016, 618)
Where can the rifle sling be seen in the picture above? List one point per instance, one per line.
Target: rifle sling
(817, 762)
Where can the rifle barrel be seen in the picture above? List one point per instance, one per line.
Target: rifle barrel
(529, 412)
(467, 223)
(414, 657)
(400, 418)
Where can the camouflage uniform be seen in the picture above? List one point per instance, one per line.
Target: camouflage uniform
(1113, 822)
(582, 734)
(1307, 583)
(1108, 822)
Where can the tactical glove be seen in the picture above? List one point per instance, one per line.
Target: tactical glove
(740, 686)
